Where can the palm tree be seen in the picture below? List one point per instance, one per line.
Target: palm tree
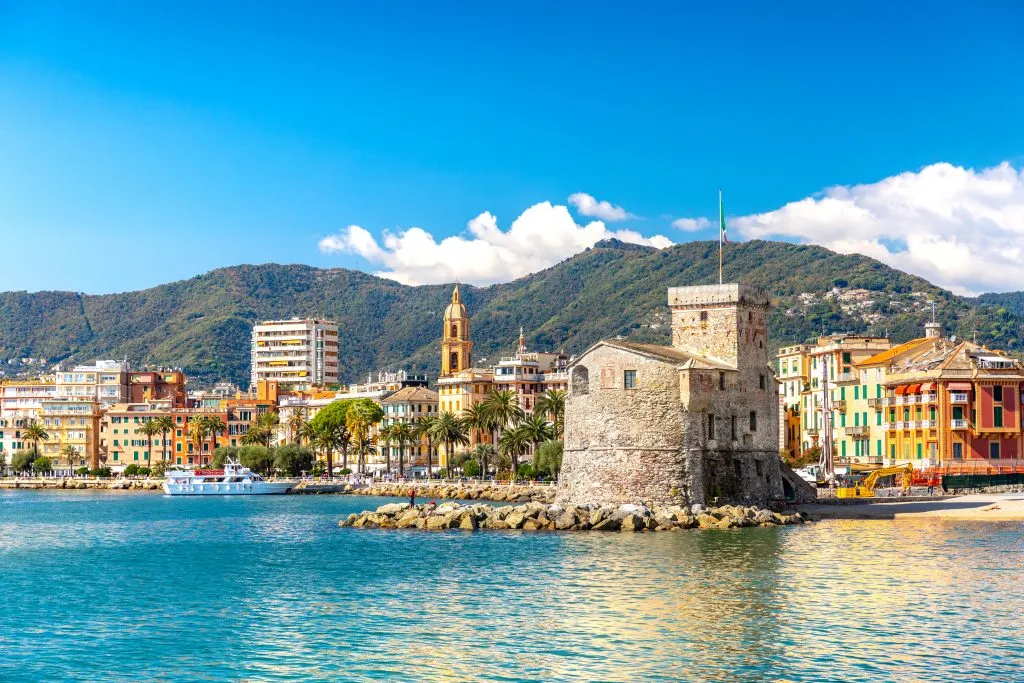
(215, 426)
(166, 423)
(477, 417)
(514, 442)
(386, 439)
(35, 433)
(402, 433)
(197, 434)
(552, 404)
(360, 420)
(451, 431)
(503, 407)
(537, 429)
(483, 452)
(296, 425)
(425, 427)
(268, 423)
(150, 428)
(254, 437)
(69, 453)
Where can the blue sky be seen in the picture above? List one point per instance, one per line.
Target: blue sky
(146, 142)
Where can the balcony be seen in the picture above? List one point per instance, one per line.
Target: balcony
(839, 404)
(900, 400)
(843, 377)
(889, 425)
(958, 397)
(903, 425)
(926, 424)
(858, 431)
(876, 403)
(928, 398)
(959, 424)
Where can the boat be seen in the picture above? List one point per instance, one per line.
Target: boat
(233, 480)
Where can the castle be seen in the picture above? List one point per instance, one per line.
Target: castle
(687, 423)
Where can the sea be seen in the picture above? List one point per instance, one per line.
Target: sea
(121, 586)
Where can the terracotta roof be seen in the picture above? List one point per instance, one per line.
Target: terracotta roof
(412, 395)
(668, 354)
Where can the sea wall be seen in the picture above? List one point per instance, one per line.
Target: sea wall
(71, 484)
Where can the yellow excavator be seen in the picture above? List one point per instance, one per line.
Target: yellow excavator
(865, 488)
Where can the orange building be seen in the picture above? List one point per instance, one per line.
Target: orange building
(157, 385)
(953, 403)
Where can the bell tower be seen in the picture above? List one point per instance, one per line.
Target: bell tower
(456, 348)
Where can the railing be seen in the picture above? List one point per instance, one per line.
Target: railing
(876, 402)
(928, 398)
(900, 400)
(845, 377)
(957, 397)
(926, 424)
(959, 424)
(889, 425)
(857, 430)
(903, 425)
(839, 404)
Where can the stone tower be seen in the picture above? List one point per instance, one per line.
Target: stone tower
(723, 322)
(456, 348)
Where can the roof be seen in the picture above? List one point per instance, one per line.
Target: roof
(412, 395)
(889, 354)
(666, 354)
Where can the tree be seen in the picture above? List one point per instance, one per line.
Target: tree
(42, 464)
(471, 468)
(502, 405)
(332, 420)
(548, 458)
(166, 423)
(537, 429)
(197, 432)
(21, 461)
(386, 439)
(256, 458)
(268, 423)
(552, 404)
(293, 459)
(484, 453)
(451, 431)
(402, 432)
(362, 415)
(297, 425)
(35, 433)
(425, 427)
(478, 417)
(214, 426)
(150, 428)
(69, 453)
(513, 443)
(222, 455)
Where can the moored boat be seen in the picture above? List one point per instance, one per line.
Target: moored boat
(233, 480)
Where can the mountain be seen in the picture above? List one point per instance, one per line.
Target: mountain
(203, 324)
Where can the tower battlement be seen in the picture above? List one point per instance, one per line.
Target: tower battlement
(725, 322)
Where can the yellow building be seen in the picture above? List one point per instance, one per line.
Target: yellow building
(72, 425)
(794, 376)
(409, 405)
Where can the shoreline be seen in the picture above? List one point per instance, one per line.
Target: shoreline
(995, 507)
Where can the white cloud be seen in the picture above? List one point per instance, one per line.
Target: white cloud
(956, 227)
(587, 205)
(691, 224)
(539, 238)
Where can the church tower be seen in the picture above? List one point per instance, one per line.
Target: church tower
(456, 348)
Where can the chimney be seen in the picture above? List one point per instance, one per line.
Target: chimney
(933, 330)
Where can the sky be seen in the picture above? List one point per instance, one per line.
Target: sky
(142, 143)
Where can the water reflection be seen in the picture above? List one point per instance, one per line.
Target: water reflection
(146, 587)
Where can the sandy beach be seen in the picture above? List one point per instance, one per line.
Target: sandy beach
(983, 507)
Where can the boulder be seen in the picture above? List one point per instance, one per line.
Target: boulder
(437, 522)
(566, 520)
(705, 521)
(515, 520)
(392, 508)
(595, 518)
(632, 522)
(608, 524)
(468, 522)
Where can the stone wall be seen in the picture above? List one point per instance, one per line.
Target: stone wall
(623, 445)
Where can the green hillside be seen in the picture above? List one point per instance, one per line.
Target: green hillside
(203, 324)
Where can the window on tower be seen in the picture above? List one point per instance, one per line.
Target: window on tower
(453, 361)
(455, 330)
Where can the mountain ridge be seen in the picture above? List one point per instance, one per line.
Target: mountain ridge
(611, 289)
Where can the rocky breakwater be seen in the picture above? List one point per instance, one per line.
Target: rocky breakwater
(511, 493)
(84, 484)
(538, 516)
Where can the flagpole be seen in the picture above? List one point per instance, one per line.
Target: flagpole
(719, 237)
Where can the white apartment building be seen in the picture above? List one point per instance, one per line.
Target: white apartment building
(104, 381)
(298, 353)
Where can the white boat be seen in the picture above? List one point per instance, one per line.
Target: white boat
(233, 480)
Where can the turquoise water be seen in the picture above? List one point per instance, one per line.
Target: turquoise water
(119, 586)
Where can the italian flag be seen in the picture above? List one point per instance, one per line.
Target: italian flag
(721, 220)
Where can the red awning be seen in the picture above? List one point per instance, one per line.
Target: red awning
(959, 386)
(901, 389)
(928, 387)
(914, 389)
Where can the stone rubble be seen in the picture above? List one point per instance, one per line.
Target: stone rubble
(468, 491)
(540, 516)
